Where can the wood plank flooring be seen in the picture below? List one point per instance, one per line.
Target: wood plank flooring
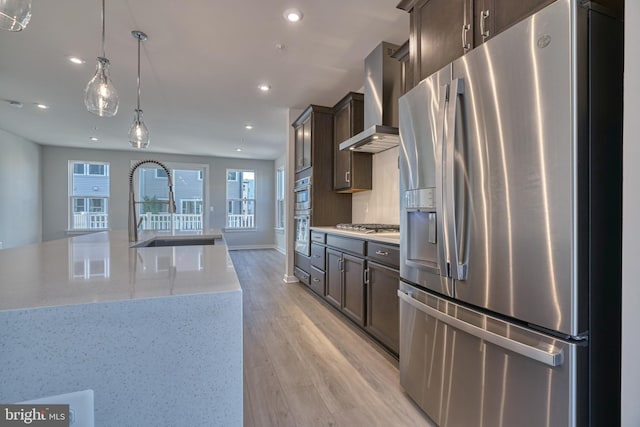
(305, 365)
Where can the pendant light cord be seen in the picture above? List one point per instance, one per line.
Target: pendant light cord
(103, 54)
(138, 76)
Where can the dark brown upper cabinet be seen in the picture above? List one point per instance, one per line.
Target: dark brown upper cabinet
(314, 138)
(443, 30)
(494, 16)
(351, 170)
(303, 144)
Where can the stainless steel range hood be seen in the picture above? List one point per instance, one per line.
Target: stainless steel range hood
(382, 88)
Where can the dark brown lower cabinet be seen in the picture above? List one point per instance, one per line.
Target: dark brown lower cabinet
(316, 282)
(360, 279)
(353, 298)
(345, 284)
(333, 290)
(382, 304)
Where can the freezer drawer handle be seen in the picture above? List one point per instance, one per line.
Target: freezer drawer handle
(548, 358)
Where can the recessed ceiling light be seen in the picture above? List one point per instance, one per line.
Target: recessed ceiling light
(76, 60)
(14, 104)
(238, 149)
(264, 87)
(42, 106)
(248, 127)
(93, 139)
(292, 15)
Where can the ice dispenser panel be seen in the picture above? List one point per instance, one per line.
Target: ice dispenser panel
(421, 216)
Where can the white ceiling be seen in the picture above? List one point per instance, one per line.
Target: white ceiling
(200, 69)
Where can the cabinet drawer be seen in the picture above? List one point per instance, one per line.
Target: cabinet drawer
(317, 236)
(317, 256)
(355, 246)
(302, 262)
(302, 275)
(384, 254)
(317, 281)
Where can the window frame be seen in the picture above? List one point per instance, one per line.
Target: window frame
(281, 215)
(73, 199)
(163, 171)
(178, 166)
(253, 200)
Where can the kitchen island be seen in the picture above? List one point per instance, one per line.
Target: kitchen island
(155, 332)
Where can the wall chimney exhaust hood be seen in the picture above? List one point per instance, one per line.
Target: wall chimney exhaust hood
(382, 88)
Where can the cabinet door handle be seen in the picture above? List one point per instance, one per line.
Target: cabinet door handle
(366, 276)
(484, 32)
(383, 253)
(315, 279)
(465, 44)
(347, 176)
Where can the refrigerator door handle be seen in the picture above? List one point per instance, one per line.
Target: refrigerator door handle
(550, 358)
(458, 269)
(441, 235)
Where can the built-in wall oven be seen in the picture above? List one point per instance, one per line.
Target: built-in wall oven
(302, 216)
(302, 192)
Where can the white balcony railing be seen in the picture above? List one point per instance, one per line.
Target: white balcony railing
(240, 221)
(89, 221)
(162, 221)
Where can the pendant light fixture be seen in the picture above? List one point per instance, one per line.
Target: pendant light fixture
(138, 134)
(14, 14)
(100, 96)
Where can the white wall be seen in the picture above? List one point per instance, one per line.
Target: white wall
(381, 204)
(55, 198)
(631, 222)
(280, 242)
(20, 191)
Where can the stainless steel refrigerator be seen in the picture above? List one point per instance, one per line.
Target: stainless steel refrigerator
(510, 179)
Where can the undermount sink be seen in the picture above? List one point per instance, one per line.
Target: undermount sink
(175, 241)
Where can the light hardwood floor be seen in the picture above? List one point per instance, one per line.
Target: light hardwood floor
(305, 365)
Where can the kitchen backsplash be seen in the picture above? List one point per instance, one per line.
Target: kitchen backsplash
(382, 203)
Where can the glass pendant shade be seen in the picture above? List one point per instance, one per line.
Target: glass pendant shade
(14, 14)
(100, 96)
(138, 134)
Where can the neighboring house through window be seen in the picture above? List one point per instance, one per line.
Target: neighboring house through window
(189, 191)
(241, 199)
(89, 190)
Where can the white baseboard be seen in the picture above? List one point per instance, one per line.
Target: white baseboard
(249, 247)
(290, 279)
(281, 250)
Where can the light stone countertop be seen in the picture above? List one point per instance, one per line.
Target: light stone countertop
(155, 332)
(384, 237)
(102, 267)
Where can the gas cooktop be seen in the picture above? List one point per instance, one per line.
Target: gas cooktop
(370, 228)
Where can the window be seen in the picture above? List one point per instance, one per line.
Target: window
(90, 169)
(95, 169)
(241, 199)
(89, 190)
(191, 207)
(189, 190)
(280, 198)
